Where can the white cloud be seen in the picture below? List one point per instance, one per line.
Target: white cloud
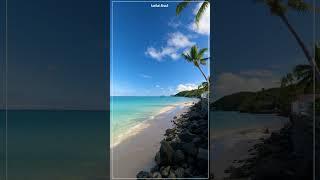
(175, 43)
(204, 24)
(228, 83)
(145, 76)
(157, 86)
(186, 87)
(174, 23)
(179, 40)
(152, 52)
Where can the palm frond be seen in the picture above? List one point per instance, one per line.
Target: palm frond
(299, 5)
(203, 61)
(201, 52)
(181, 6)
(201, 11)
(187, 57)
(194, 52)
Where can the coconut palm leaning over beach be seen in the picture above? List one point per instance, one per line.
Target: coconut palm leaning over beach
(196, 57)
(279, 8)
(182, 5)
(304, 73)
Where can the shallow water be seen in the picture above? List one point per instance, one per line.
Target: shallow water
(128, 112)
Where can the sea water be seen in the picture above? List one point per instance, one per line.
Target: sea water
(229, 121)
(128, 112)
(54, 144)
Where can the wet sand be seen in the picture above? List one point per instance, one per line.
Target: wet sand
(137, 152)
(234, 145)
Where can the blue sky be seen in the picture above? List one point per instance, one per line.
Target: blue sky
(147, 47)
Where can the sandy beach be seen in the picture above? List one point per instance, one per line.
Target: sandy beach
(230, 147)
(137, 150)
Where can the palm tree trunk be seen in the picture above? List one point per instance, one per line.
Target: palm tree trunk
(301, 44)
(202, 73)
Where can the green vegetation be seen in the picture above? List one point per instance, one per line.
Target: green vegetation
(202, 88)
(182, 5)
(231, 102)
(273, 100)
(196, 57)
(192, 93)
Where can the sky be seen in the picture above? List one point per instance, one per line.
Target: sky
(252, 48)
(57, 51)
(147, 47)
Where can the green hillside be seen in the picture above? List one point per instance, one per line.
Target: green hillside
(192, 93)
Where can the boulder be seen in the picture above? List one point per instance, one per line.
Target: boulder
(190, 149)
(157, 158)
(172, 175)
(202, 160)
(165, 171)
(179, 172)
(178, 156)
(154, 168)
(186, 136)
(143, 174)
(156, 175)
(166, 153)
(169, 132)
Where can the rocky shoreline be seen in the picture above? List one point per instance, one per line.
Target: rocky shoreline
(286, 154)
(184, 150)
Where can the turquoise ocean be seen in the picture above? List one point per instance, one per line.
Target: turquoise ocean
(129, 111)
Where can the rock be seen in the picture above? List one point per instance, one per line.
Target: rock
(190, 149)
(172, 175)
(188, 172)
(165, 171)
(166, 153)
(202, 154)
(186, 136)
(178, 156)
(143, 174)
(169, 132)
(179, 172)
(197, 140)
(154, 169)
(176, 145)
(156, 175)
(184, 165)
(157, 158)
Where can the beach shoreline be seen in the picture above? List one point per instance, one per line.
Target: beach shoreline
(230, 147)
(137, 149)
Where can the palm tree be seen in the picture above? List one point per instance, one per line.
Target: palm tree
(182, 5)
(279, 8)
(196, 57)
(203, 85)
(304, 73)
(287, 80)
